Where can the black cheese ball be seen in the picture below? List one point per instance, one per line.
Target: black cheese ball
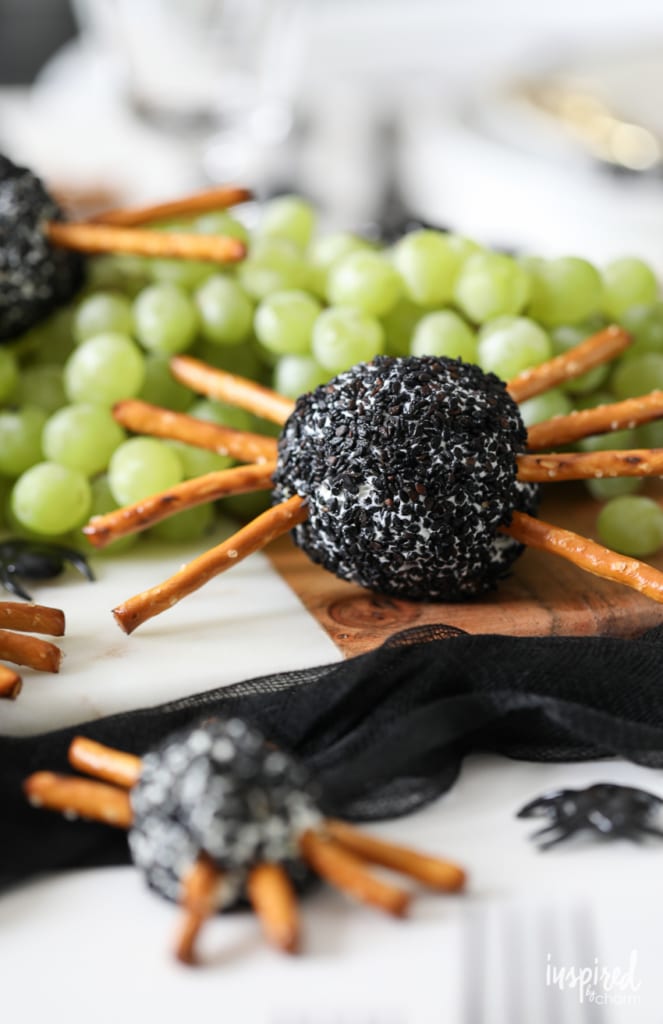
(35, 276)
(408, 468)
(219, 789)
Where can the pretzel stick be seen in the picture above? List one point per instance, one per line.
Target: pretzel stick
(587, 465)
(586, 554)
(255, 535)
(143, 242)
(222, 483)
(600, 348)
(601, 420)
(143, 418)
(10, 683)
(104, 762)
(219, 198)
(347, 872)
(36, 618)
(79, 797)
(228, 387)
(273, 899)
(431, 871)
(28, 650)
(200, 900)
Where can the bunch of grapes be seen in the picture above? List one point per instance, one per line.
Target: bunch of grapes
(300, 309)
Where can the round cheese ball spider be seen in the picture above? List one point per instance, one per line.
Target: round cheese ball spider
(215, 813)
(40, 265)
(412, 476)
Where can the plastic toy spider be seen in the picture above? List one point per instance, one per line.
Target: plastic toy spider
(612, 811)
(215, 815)
(36, 560)
(413, 477)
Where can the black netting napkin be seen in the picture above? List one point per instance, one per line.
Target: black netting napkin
(383, 733)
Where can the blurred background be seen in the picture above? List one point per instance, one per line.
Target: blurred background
(533, 126)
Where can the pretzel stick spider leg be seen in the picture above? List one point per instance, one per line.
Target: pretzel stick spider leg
(79, 798)
(34, 618)
(10, 683)
(219, 198)
(599, 348)
(102, 530)
(347, 872)
(273, 898)
(228, 387)
(586, 554)
(432, 872)
(255, 535)
(551, 467)
(603, 419)
(143, 418)
(104, 762)
(29, 650)
(102, 238)
(200, 900)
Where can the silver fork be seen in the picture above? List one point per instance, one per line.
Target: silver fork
(512, 957)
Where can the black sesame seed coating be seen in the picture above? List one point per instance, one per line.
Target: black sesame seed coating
(35, 276)
(219, 789)
(409, 469)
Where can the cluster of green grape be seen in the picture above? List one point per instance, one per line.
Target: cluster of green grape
(299, 309)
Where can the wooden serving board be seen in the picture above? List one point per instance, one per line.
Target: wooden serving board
(544, 596)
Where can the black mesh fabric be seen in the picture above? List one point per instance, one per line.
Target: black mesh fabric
(383, 733)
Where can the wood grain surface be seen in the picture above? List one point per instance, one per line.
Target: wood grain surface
(544, 596)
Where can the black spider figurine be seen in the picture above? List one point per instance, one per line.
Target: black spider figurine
(36, 560)
(613, 811)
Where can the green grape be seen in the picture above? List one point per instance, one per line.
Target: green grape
(166, 319)
(52, 340)
(102, 503)
(226, 312)
(399, 326)
(100, 312)
(273, 265)
(543, 407)
(645, 324)
(564, 291)
(82, 437)
(41, 385)
(617, 439)
(142, 466)
(597, 398)
(649, 435)
(187, 525)
(161, 388)
(20, 439)
(246, 506)
(186, 274)
(198, 461)
(5, 491)
(365, 280)
(8, 374)
(491, 285)
(220, 222)
(631, 525)
(50, 499)
(638, 375)
(288, 217)
(343, 336)
(284, 322)
(241, 359)
(104, 370)
(445, 334)
(463, 247)
(626, 283)
(296, 375)
(514, 346)
(428, 263)
(567, 337)
(604, 488)
(326, 250)
(225, 415)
